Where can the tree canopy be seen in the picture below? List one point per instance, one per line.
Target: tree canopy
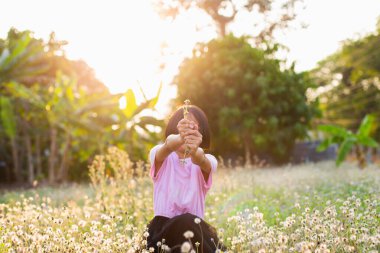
(55, 114)
(350, 82)
(253, 104)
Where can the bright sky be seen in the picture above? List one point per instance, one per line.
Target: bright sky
(122, 40)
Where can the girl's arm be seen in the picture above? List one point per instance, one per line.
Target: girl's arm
(172, 142)
(199, 158)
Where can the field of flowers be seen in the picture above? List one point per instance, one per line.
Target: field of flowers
(303, 208)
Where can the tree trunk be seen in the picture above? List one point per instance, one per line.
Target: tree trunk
(247, 151)
(221, 20)
(222, 29)
(16, 165)
(360, 157)
(63, 170)
(3, 160)
(38, 156)
(374, 155)
(28, 145)
(53, 154)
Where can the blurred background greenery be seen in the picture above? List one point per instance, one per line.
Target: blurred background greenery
(55, 115)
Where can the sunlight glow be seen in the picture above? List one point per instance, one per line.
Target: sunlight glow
(126, 42)
(122, 102)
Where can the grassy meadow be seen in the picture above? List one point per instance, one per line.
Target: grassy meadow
(312, 207)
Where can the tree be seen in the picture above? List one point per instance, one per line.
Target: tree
(28, 60)
(350, 83)
(224, 12)
(55, 115)
(73, 118)
(33, 64)
(21, 57)
(133, 126)
(252, 104)
(8, 120)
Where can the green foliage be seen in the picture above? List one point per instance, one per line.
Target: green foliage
(64, 114)
(21, 57)
(131, 106)
(253, 104)
(351, 80)
(347, 140)
(132, 128)
(7, 117)
(87, 121)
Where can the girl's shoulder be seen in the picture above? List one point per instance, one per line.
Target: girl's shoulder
(211, 156)
(213, 160)
(154, 148)
(153, 151)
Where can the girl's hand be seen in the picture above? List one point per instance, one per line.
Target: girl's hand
(193, 138)
(184, 125)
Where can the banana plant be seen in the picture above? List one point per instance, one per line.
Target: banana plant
(58, 115)
(348, 140)
(21, 58)
(66, 110)
(9, 124)
(133, 128)
(80, 118)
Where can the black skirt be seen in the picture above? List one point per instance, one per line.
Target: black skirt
(173, 229)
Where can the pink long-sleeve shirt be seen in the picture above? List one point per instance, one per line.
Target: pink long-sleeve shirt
(179, 189)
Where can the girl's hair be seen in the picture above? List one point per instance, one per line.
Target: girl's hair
(203, 126)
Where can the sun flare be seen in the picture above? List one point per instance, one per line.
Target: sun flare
(128, 45)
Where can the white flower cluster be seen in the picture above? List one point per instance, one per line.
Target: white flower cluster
(311, 208)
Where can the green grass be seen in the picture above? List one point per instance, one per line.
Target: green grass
(59, 195)
(309, 185)
(277, 193)
(255, 189)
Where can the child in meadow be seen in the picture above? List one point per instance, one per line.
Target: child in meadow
(180, 185)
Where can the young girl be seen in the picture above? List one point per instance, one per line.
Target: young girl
(180, 185)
